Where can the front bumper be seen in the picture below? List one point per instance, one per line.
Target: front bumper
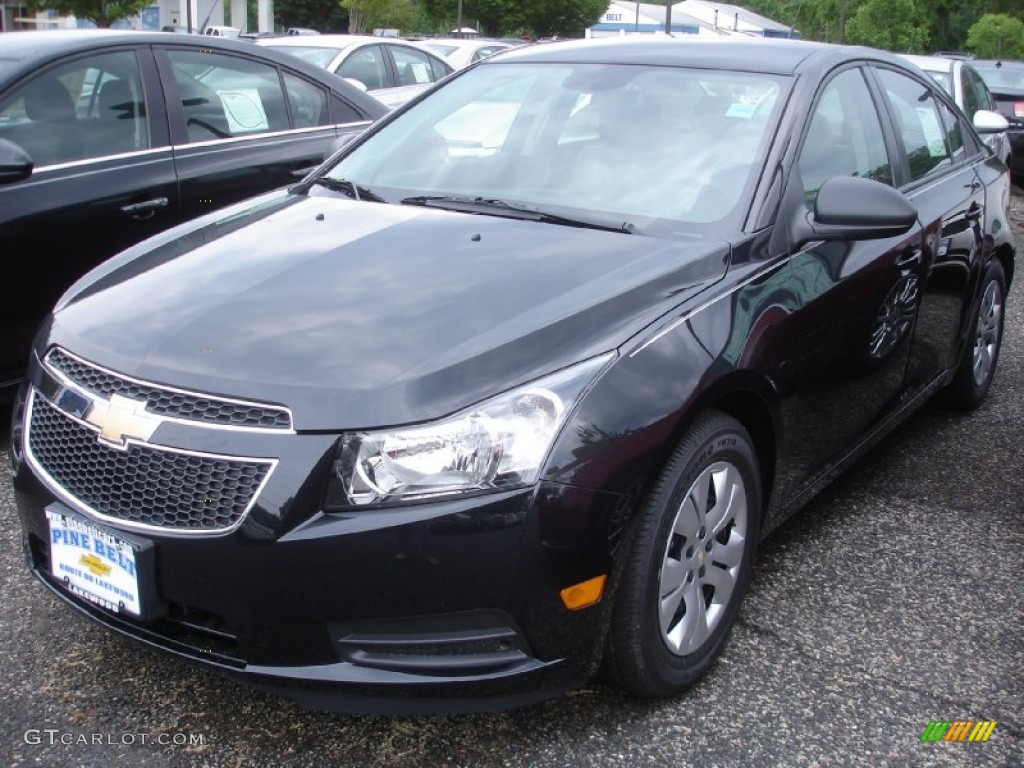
(447, 606)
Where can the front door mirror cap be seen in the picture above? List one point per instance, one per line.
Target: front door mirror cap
(15, 163)
(987, 121)
(852, 208)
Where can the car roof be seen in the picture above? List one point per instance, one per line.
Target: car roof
(462, 42)
(42, 44)
(932, 63)
(772, 56)
(330, 41)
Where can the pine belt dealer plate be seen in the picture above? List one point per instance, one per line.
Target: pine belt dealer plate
(94, 564)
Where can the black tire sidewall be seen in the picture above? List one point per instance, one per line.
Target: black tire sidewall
(964, 392)
(641, 660)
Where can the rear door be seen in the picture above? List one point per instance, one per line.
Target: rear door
(937, 173)
(96, 128)
(414, 71)
(242, 126)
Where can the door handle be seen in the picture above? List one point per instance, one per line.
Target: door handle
(974, 212)
(145, 209)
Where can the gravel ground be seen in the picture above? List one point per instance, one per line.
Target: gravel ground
(892, 600)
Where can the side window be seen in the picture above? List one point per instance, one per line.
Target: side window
(227, 96)
(980, 95)
(441, 70)
(308, 102)
(954, 133)
(367, 66)
(90, 107)
(483, 53)
(412, 66)
(918, 123)
(971, 103)
(844, 137)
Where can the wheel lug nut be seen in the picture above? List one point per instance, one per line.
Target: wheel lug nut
(689, 577)
(709, 545)
(701, 571)
(689, 552)
(701, 533)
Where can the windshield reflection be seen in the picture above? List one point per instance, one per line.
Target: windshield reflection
(671, 150)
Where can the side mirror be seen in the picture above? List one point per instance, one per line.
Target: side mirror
(986, 121)
(852, 208)
(15, 163)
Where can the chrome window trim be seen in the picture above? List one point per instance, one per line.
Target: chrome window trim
(79, 506)
(140, 153)
(269, 134)
(63, 381)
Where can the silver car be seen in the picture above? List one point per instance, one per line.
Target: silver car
(961, 81)
(393, 71)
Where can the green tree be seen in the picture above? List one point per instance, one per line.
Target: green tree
(314, 14)
(102, 13)
(823, 20)
(894, 25)
(366, 15)
(541, 18)
(997, 36)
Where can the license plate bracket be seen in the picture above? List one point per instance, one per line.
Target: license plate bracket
(107, 568)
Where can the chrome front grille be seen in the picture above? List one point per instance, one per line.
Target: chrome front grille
(165, 401)
(141, 485)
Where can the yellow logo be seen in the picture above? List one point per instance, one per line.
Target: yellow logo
(121, 418)
(96, 566)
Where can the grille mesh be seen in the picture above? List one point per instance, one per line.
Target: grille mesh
(144, 485)
(166, 402)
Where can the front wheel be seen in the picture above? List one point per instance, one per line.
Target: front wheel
(689, 563)
(978, 365)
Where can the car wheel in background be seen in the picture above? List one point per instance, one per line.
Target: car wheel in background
(689, 563)
(981, 354)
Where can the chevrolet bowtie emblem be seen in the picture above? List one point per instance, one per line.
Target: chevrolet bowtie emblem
(121, 418)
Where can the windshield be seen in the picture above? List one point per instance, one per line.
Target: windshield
(667, 150)
(320, 57)
(1006, 75)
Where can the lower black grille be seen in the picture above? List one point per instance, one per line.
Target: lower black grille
(147, 485)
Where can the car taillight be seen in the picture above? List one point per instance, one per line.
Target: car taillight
(1018, 109)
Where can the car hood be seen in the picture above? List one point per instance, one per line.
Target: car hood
(358, 314)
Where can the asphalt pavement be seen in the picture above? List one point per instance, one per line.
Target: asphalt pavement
(894, 599)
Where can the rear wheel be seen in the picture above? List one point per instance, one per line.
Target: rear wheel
(978, 365)
(689, 564)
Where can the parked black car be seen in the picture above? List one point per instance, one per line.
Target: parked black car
(1005, 80)
(120, 135)
(520, 380)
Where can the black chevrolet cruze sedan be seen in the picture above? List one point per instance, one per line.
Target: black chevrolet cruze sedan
(107, 138)
(516, 383)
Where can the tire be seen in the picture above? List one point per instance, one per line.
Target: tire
(678, 572)
(977, 366)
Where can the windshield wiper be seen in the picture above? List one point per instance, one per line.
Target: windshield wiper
(349, 188)
(494, 207)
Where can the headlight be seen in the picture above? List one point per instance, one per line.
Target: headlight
(500, 443)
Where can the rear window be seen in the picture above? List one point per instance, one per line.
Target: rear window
(1005, 76)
